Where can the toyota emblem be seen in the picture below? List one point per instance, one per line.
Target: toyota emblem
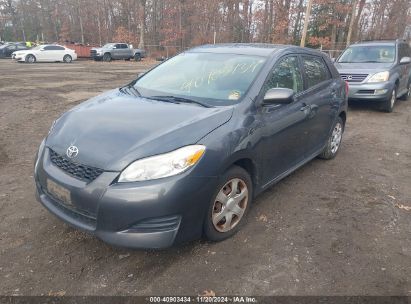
(72, 151)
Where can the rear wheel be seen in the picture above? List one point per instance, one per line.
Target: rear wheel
(107, 57)
(334, 141)
(407, 95)
(229, 205)
(30, 58)
(67, 59)
(388, 105)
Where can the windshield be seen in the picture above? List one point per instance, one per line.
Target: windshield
(108, 45)
(38, 47)
(369, 53)
(214, 79)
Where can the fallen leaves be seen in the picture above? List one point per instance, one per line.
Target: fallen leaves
(401, 206)
(57, 293)
(207, 293)
(263, 218)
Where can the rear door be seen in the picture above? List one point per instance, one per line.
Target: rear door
(59, 52)
(403, 51)
(320, 101)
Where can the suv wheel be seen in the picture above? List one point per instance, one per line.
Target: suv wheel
(407, 95)
(230, 205)
(137, 57)
(107, 57)
(334, 141)
(388, 105)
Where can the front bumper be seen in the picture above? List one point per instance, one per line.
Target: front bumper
(151, 214)
(370, 91)
(96, 57)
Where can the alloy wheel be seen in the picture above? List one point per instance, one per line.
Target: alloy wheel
(230, 205)
(336, 138)
(393, 98)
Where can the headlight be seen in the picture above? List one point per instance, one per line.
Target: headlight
(38, 155)
(162, 165)
(380, 77)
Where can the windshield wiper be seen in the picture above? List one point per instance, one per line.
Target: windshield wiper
(130, 89)
(175, 99)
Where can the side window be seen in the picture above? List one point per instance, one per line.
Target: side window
(117, 46)
(124, 46)
(48, 48)
(315, 70)
(59, 48)
(286, 74)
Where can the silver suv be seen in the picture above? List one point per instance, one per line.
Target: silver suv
(378, 71)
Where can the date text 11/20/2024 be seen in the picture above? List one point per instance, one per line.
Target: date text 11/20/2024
(203, 299)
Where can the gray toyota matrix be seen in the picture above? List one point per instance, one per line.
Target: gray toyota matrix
(181, 152)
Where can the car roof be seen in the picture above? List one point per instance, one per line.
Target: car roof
(258, 49)
(376, 42)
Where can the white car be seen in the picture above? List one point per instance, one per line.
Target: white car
(45, 53)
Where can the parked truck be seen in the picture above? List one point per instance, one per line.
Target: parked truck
(115, 51)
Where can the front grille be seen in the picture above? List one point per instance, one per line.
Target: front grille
(366, 92)
(354, 77)
(93, 53)
(157, 224)
(79, 171)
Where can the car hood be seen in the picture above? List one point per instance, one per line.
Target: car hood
(97, 49)
(25, 52)
(114, 129)
(362, 68)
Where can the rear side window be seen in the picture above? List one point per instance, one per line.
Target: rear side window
(54, 48)
(315, 70)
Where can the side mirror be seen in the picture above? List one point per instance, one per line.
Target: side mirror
(278, 96)
(333, 59)
(405, 60)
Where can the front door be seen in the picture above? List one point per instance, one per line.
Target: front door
(282, 143)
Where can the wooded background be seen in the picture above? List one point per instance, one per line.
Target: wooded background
(185, 23)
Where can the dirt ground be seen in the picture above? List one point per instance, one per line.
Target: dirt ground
(339, 227)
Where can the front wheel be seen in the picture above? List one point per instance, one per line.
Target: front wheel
(229, 206)
(107, 57)
(137, 57)
(388, 105)
(67, 59)
(30, 59)
(334, 141)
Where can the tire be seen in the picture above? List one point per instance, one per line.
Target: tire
(388, 105)
(30, 58)
(334, 141)
(67, 59)
(107, 57)
(137, 57)
(407, 95)
(215, 224)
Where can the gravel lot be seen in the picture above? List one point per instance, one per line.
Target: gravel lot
(339, 227)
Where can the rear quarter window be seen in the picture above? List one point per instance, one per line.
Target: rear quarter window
(315, 70)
